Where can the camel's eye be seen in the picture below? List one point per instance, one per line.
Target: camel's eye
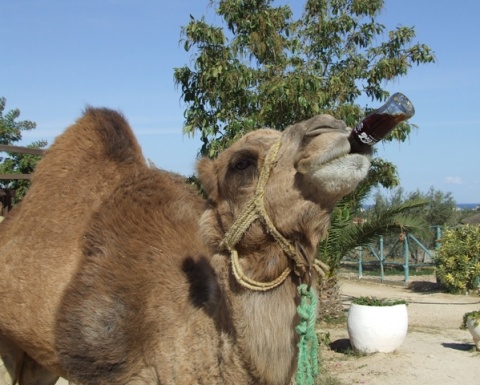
(242, 164)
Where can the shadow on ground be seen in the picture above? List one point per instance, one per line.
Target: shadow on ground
(458, 346)
(341, 346)
(425, 287)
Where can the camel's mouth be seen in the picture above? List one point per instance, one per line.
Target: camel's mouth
(344, 164)
(339, 156)
(340, 175)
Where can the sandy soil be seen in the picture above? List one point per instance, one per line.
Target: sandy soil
(436, 351)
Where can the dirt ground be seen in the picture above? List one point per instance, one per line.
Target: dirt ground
(436, 351)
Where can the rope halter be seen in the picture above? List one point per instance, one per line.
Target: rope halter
(255, 209)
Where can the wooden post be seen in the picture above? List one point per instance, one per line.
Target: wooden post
(6, 195)
(21, 150)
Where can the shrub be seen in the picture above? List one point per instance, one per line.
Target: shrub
(373, 301)
(458, 259)
(475, 315)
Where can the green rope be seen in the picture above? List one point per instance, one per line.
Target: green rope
(308, 345)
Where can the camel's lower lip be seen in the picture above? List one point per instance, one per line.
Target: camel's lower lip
(341, 161)
(349, 157)
(354, 161)
(341, 174)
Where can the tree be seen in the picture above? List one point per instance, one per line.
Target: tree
(346, 234)
(440, 208)
(350, 228)
(263, 68)
(458, 260)
(10, 133)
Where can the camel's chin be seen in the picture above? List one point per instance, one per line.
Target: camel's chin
(342, 175)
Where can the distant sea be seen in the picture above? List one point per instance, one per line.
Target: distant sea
(468, 206)
(460, 206)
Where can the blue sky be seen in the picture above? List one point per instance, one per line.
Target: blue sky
(58, 56)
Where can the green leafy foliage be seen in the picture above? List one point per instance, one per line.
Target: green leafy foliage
(349, 230)
(10, 129)
(474, 315)
(458, 259)
(374, 301)
(10, 133)
(440, 208)
(262, 68)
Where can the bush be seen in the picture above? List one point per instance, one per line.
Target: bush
(373, 301)
(458, 259)
(475, 315)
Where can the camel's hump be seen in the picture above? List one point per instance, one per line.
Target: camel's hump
(99, 132)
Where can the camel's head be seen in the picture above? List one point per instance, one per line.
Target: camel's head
(311, 171)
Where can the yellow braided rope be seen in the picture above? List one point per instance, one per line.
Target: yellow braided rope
(251, 284)
(255, 209)
(250, 213)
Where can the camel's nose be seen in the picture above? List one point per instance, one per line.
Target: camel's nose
(321, 124)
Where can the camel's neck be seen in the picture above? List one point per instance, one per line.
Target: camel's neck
(268, 330)
(264, 324)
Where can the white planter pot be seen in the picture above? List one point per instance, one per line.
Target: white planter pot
(474, 331)
(377, 328)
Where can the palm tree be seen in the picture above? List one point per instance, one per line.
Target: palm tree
(347, 232)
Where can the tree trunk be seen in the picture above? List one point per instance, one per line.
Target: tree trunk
(330, 305)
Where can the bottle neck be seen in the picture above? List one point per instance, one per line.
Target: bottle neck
(379, 123)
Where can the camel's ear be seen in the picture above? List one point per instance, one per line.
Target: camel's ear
(207, 173)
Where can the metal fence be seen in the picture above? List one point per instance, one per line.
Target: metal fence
(404, 251)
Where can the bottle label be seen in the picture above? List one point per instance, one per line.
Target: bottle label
(363, 136)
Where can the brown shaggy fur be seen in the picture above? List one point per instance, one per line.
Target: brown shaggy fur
(111, 272)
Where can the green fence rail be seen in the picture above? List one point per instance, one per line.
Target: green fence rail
(390, 255)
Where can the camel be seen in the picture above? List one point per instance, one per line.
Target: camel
(114, 272)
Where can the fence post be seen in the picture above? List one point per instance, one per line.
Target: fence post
(382, 271)
(360, 267)
(406, 253)
(437, 237)
(8, 194)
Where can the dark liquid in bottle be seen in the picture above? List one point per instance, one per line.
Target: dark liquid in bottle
(380, 122)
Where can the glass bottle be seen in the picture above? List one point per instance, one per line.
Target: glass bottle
(380, 122)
